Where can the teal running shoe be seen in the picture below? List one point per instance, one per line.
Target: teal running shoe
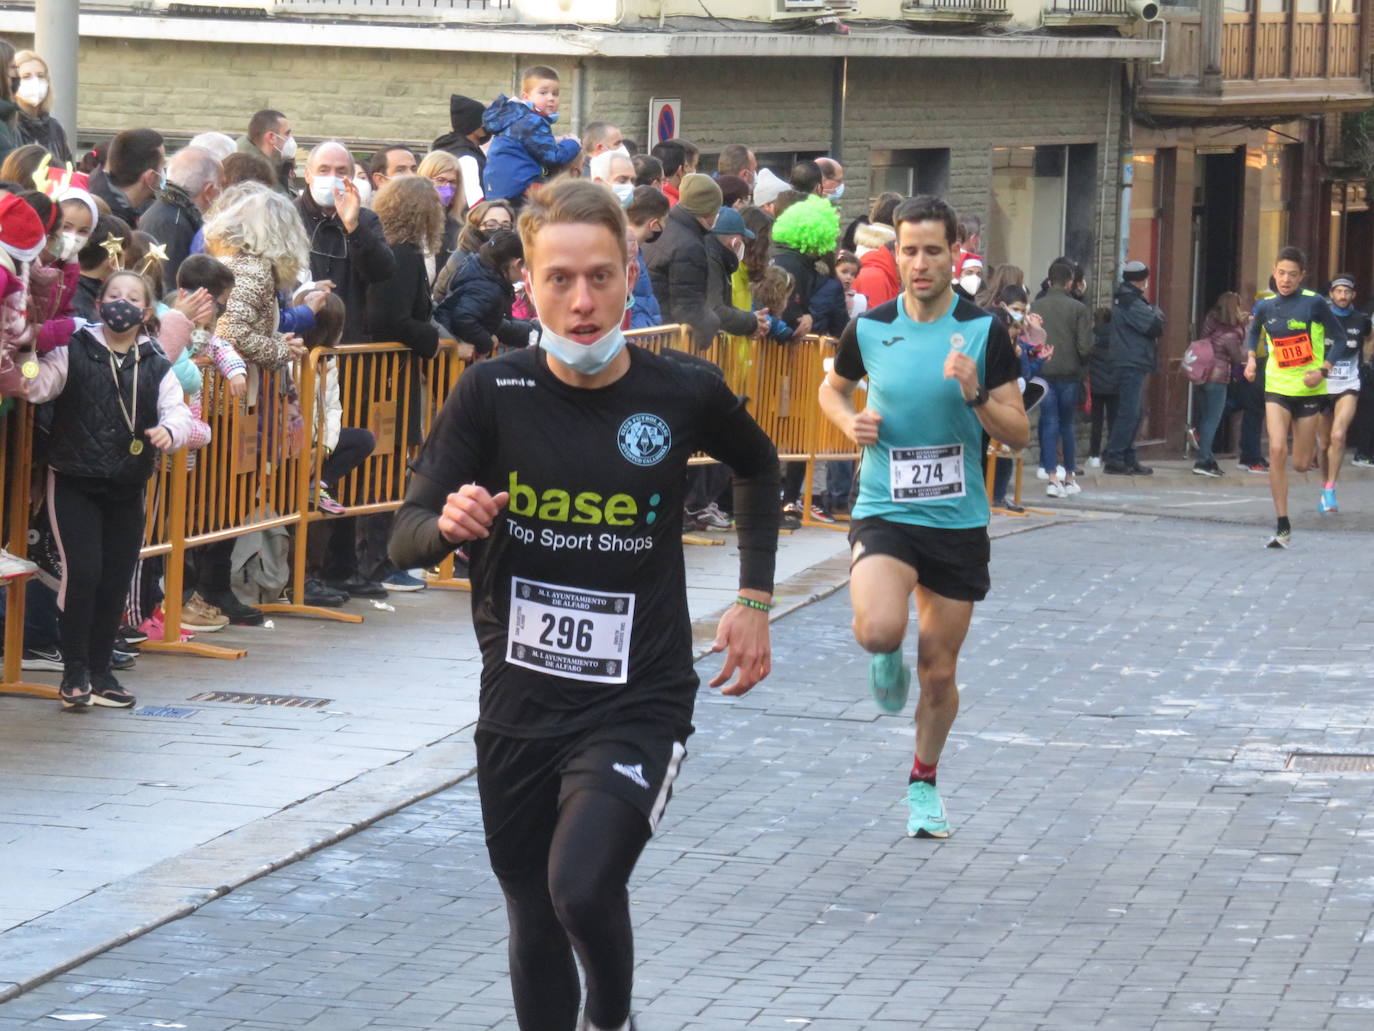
(927, 818)
(1327, 501)
(889, 680)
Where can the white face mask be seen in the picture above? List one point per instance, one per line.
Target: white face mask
(739, 251)
(288, 149)
(71, 243)
(364, 188)
(32, 91)
(971, 284)
(322, 190)
(624, 192)
(587, 359)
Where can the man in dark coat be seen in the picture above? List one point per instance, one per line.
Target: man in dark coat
(194, 180)
(677, 259)
(347, 245)
(465, 143)
(1136, 327)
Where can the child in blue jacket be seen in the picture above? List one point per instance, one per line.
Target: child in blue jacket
(524, 151)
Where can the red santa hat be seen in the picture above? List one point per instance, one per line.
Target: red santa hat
(21, 233)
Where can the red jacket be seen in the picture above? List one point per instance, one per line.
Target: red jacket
(877, 279)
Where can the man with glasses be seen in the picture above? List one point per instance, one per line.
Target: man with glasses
(347, 246)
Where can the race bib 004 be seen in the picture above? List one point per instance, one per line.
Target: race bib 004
(927, 473)
(570, 632)
(1293, 352)
(1347, 369)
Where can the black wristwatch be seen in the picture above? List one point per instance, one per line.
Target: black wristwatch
(979, 399)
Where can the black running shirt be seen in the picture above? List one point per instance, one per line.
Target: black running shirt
(579, 594)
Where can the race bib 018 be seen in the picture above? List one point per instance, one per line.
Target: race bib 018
(570, 632)
(1293, 352)
(927, 473)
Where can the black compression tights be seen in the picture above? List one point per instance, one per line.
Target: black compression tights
(581, 906)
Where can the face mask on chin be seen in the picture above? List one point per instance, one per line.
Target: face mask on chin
(586, 359)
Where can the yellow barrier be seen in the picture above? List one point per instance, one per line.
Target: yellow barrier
(16, 465)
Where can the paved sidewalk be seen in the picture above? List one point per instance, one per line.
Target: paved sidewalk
(1130, 850)
(112, 822)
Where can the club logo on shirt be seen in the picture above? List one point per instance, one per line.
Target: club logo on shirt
(644, 439)
(634, 773)
(894, 340)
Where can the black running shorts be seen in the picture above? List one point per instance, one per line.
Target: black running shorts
(952, 563)
(524, 781)
(1298, 407)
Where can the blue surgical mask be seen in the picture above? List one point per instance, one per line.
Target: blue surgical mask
(1016, 316)
(839, 192)
(587, 359)
(552, 118)
(624, 192)
(162, 179)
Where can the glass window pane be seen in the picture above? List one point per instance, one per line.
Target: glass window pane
(1026, 223)
(1273, 6)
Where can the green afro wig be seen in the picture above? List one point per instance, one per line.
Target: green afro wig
(811, 226)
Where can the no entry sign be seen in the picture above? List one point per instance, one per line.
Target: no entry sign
(665, 120)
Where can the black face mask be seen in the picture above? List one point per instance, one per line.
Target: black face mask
(654, 236)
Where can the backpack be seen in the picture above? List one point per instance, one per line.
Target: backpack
(1198, 360)
(261, 565)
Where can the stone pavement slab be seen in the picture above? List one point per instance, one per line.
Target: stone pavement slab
(1130, 848)
(112, 822)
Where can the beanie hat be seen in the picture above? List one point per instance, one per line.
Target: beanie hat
(1135, 271)
(699, 195)
(464, 113)
(872, 235)
(811, 226)
(21, 233)
(767, 186)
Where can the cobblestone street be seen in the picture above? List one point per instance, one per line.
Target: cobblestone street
(1133, 846)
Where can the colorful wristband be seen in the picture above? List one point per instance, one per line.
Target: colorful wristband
(750, 603)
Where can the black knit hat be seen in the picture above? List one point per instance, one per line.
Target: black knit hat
(465, 113)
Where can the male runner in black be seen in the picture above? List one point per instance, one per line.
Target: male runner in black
(562, 467)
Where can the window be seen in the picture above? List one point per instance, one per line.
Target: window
(910, 172)
(1044, 201)
(1143, 243)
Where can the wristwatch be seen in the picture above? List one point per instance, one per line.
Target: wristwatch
(979, 399)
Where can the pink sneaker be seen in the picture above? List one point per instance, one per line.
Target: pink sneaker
(153, 627)
(327, 503)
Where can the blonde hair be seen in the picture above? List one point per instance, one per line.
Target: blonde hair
(23, 58)
(250, 218)
(437, 161)
(410, 211)
(573, 202)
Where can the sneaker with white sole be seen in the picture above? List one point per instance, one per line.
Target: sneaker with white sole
(49, 659)
(1094, 463)
(927, 812)
(711, 518)
(107, 691)
(404, 582)
(13, 565)
(1055, 489)
(1282, 539)
(1040, 474)
(1326, 501)
(1071, 488)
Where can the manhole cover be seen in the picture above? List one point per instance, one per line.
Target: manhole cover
(165, 712)
(1331, 763)
(284, 701)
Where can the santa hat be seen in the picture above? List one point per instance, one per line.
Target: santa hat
(970, 263)
(21, 233)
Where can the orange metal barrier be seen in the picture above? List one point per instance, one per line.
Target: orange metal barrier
(16, 481)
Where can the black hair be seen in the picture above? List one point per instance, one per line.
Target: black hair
(133, 152)
(262, 123)
(1061, 273)
(1012, 293)
(927, 208)
(647, 202)
(806, 177)
(93, 255)
(44, 207)
(201, 270)
(672, 154)
(379, 159)
(1293, 254)
(501, 249)
(648, 169)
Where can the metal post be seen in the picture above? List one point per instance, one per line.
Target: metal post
(838, 97)
(55, 39)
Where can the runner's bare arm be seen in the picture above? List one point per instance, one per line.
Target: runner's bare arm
(837, 404)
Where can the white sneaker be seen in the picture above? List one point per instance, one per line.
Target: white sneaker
(1094, 463)
(1059, 473)
(1072, 487)
(13, 565)
(1055, 489)
(1040, 474)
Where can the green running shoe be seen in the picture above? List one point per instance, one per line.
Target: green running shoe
(889, 680)
(927, 812)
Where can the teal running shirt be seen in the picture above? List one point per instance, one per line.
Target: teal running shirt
(927, 467)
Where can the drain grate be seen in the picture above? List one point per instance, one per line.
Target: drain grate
(281, 701)
(1317, 762)
(165, 712)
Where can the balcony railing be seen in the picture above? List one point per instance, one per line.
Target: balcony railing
(1263, 45)
(1098, 8)
(956, 7)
